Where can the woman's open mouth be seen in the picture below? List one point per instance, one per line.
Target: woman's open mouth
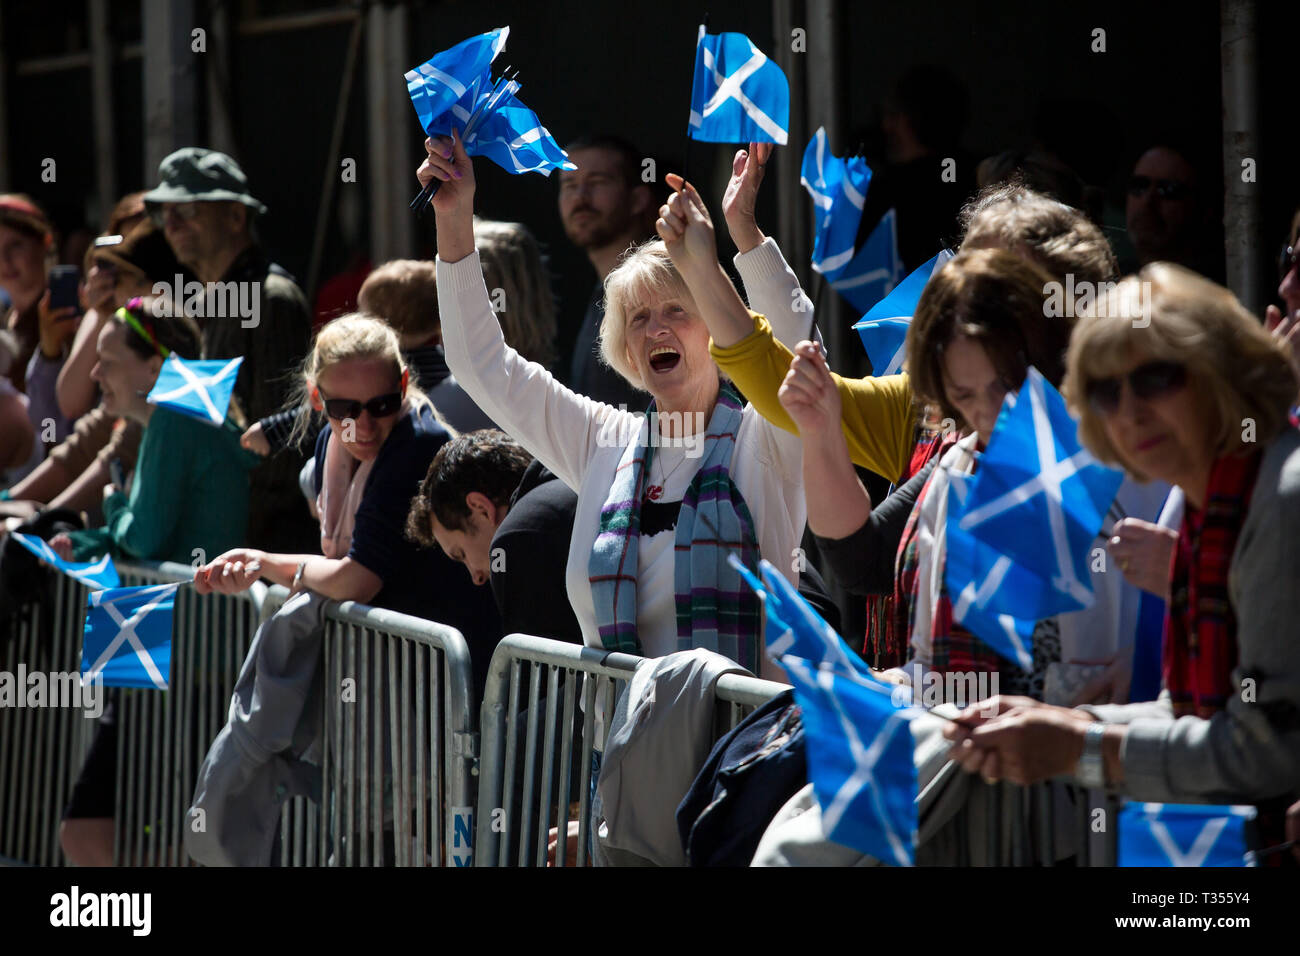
(664, 359)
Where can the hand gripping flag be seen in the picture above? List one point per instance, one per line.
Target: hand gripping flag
(860, 750)
(1038, 498)
(838, 188)
(93, 574)
(738, 95)
(455, 89)
(1169, 834)
(128, 636)
(199, 389)
(884, 328)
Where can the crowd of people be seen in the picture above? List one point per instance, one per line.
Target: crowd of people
(430, 451)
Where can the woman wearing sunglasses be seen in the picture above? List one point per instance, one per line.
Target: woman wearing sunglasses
(1198, 398)
(383, 432)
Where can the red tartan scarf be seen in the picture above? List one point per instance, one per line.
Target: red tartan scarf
(1200, 639)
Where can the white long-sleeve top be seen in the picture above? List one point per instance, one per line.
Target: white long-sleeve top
(582, 440)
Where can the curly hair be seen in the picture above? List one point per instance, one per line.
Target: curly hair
(487, 461)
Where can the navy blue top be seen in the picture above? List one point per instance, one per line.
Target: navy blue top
(422, 582)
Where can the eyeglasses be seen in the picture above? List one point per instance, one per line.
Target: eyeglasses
(1152, 380)
(379, 407)
(1286, 261)
(183, 210)
(1165, 188)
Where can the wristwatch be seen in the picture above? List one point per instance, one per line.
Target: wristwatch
(1090, 771)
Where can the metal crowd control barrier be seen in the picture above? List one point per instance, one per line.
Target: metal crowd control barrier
(42, 747)
(163, 736)
(536, 766)
(400, 745)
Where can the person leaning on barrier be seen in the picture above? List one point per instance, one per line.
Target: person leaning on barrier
(1199, 398)
(382, 434)
(490, 505)
(662, 302)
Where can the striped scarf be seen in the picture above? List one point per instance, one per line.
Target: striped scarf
(715, 608)
(1200, 641)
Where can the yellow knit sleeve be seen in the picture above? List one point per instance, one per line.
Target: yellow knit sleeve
(878, 418)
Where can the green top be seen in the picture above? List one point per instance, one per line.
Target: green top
(189, 491)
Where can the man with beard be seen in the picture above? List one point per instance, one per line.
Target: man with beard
(605, 208)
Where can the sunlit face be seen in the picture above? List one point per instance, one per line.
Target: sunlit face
(360, 380)
(668, 345)
(972, 385)
(472, 546)
(1164, 436)
(124, 377)
(22, 266)
(596, 205)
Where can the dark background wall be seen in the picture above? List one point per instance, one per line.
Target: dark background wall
(603, 66)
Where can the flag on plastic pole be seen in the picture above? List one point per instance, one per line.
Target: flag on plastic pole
(128, 636)
(738, 95)
(196, 388)
(884, 328)
(1038, 498)
(94, 574)
(1170, 834)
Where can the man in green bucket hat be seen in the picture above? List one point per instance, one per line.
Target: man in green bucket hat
(245, 305)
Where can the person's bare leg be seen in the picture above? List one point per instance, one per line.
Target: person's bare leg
(88, 841)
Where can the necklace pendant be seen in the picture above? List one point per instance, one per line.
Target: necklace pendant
(654, 492)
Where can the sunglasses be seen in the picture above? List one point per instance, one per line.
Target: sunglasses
(1148, 381)
(182, 210)
(379, 407)
(1286, 261)
(1165, 188)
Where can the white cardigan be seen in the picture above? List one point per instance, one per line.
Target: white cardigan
(569, 433)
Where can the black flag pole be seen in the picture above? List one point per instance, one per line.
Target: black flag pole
(699, 38)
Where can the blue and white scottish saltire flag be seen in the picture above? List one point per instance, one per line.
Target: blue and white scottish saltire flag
(884, 328)
(451, 87)
(128, 636)
(860, 759)
(93, 574)
(738, 95)
(198, 388)
(1173, 834)
(875, 270)
(1039, 498)
(838, 188)
(793, 626)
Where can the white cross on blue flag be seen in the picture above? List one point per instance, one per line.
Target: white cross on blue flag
(128, 636)
(1172, 834)
(860, 748)
(884, 328)
(93, 574)
(1038, 499)
(738, 95)
(198, 388)
(838, 188)
(455, 87)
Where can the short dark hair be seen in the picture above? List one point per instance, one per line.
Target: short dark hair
(996, 298)
(628, 155)
(487, 461)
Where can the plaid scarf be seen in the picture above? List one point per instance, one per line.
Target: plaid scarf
(921, 598)
(715, 608)
(1200, 640)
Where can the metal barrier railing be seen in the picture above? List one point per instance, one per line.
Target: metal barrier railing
(41, 748)
(163, 736)
(400, 745)
(538, 747)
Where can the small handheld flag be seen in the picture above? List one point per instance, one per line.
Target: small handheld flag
(1038, 498)
(738, 95)
(93, 574)
(838, 188)
(1169, 834)
(197, 388)
(128, 636)
(884, 328)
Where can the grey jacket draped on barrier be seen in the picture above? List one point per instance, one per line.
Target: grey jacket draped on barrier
(269, 749)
